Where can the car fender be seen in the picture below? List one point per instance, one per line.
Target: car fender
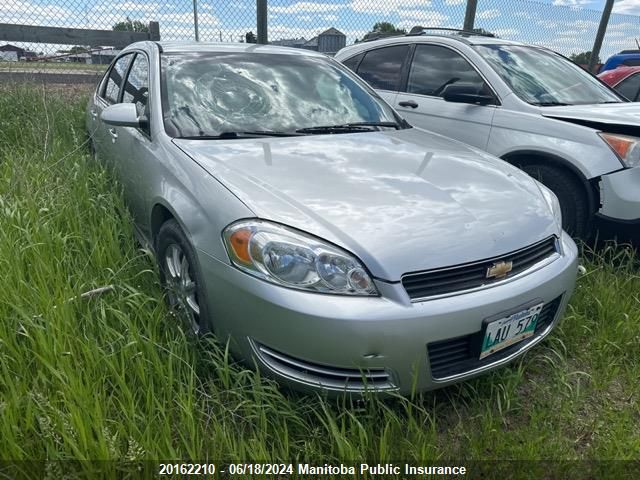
(513, 132)
(202, 206)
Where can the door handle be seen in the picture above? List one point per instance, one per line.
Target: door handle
(113, 133)
(408, 103)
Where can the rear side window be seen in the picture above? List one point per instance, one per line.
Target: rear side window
(629, 87)
(434, 67)
(114, 81)
(353, 62)
(382, 67)
(631, 62)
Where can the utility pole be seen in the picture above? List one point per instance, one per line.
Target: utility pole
(602, 29)
(195, 19)
(470, 15)
(261, 14)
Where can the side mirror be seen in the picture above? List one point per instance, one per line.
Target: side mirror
(122, 115)
(465, 93)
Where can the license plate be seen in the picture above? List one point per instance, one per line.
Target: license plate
(506, 331)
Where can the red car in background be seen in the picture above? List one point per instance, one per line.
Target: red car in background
(624, 80)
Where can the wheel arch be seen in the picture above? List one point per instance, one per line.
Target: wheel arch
(529, 157)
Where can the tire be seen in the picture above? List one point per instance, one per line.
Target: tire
(574, 203)
(92, 148)
(181, 277)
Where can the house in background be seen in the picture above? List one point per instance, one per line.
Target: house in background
(329, 41)
(290, 42)
(80, 57)
(104, 57)
(14, 53)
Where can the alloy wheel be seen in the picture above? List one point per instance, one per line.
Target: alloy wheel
(182, 288)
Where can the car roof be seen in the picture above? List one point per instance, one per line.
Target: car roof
(221, 47)
(615, 76)
(467, 39)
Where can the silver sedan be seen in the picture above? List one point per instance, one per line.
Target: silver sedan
(294, 214)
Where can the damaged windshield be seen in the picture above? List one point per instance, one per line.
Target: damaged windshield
(231, 95)
(544, 78)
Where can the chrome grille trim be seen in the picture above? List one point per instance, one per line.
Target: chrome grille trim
(469, 277)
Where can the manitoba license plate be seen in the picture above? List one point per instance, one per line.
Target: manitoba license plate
(506, 331)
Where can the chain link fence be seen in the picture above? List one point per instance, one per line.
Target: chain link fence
(324, 25)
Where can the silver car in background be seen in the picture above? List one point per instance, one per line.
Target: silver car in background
(296, 215)
(522, 103)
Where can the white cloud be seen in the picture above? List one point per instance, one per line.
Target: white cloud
(17, 11)
(584, 25)
(506, 32)
(547, 23)
(488, 14)
(627, 6)
(411, 18)
(386, 7)
(571, 3)
(301, 7)
(524, 15)
(454, 2)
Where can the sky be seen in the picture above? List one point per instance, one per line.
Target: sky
(567, 26)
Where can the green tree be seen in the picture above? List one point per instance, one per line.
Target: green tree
(384, 29)
(250, 37)
(130, 26)
(583, 58)
(78, 49)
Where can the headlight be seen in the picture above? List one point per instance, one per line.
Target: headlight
(626, 148)
(286, 257)
(553, 202)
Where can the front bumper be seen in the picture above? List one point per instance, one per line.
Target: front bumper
(620, 195)
(301, 337)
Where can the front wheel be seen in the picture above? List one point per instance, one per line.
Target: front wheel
(574, 203)
(180, 275)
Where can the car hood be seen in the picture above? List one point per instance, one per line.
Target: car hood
(626, 113)
(401, 201)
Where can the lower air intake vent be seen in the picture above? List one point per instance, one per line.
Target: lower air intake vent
(332, 378)
(461, 354)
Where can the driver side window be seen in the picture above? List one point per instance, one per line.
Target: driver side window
(434, 67)
(111, 91)
(136, 87)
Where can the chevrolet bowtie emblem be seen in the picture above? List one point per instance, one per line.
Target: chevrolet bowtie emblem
(499, 269)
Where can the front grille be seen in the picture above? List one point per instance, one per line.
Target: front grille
(459, 355)
(474, 275)
(334, 378)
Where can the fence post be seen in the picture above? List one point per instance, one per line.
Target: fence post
(154, 31)
(261, 14)
(602, 29)
(195, 19)
(470, 15)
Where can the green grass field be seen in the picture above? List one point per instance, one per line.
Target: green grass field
(115, 377)
(52, 66)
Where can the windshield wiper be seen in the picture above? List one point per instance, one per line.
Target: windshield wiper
(349, 127)
(549, 104)
(233, 135)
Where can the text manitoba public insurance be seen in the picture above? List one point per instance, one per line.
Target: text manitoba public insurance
(378, 469)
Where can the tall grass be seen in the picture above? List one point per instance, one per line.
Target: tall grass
(115, 377)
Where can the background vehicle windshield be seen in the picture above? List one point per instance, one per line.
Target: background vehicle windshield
(208, 94)
(541, 77)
